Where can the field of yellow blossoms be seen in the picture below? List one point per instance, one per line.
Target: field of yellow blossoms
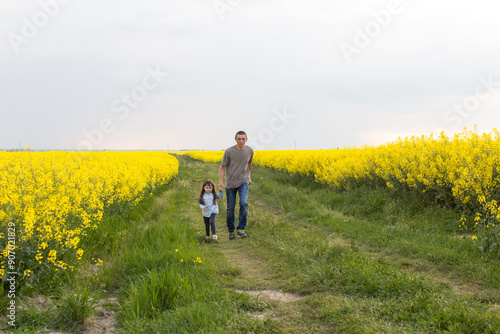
(205, 156)
(461, 172)
(49, 201)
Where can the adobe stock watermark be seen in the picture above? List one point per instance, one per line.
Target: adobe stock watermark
(121, 108)
(223, 6)
(10, 274)
(31, 26)
(278, 123)
(364, 36)
(484, 90)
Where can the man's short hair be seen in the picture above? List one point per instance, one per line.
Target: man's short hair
(240, 133)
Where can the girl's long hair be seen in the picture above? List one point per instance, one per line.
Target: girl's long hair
(200, 200)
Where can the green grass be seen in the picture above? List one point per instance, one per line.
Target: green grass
(363, 261)
(376, 220)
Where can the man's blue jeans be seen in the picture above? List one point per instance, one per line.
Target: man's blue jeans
(242, 191)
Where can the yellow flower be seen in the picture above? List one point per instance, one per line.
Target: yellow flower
(79, 253)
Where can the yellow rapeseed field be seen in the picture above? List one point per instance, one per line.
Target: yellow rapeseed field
(205, 156)
(50, 200)
(464, 169)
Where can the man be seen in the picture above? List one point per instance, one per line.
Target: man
(237, 165)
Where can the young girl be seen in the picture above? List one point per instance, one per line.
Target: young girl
(208, 203)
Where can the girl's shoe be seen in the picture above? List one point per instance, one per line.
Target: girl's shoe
(214, 236)
(208, 237)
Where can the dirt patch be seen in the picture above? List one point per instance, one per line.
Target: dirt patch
(104, 319)
(285, 297)
(39, 303)
(254, 274)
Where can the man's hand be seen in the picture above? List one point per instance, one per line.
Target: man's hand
(250, 170)
(222, 169)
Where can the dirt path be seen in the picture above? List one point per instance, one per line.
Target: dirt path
(254, 277)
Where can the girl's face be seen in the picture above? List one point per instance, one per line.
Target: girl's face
(208, 188)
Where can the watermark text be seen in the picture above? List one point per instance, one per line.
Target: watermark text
(460, 111)
(11, 273)
(223, 6)
(31, 26)
(364, 36)
(121, 107)
(278, 123)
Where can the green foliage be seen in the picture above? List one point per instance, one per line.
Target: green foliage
(166, 290)
(74, 308)
(69, 311)
(489, 236)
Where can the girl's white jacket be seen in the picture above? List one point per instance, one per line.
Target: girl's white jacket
(208, 199)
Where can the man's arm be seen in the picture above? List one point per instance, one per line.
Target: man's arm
(249, 174)
(222, 169)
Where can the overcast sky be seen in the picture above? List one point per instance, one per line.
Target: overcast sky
(188, 74)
